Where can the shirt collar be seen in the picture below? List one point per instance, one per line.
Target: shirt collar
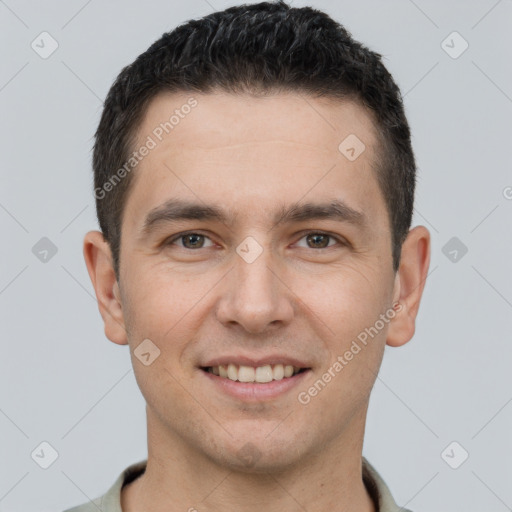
(377, 488)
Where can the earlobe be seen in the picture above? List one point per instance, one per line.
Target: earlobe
(409, 285)
(98, 258)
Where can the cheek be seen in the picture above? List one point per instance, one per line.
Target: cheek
(349, 300)
(160, 297)
(159, 308)
(350, 308)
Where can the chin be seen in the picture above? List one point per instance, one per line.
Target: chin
(260, 455)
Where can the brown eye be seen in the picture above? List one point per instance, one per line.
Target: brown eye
(191, 241)
(318, 240)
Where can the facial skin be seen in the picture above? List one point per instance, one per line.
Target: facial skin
(251, 158)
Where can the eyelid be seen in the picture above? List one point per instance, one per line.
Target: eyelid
(177, 236)
(341, 240)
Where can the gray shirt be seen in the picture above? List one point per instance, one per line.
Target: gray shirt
(111, 500)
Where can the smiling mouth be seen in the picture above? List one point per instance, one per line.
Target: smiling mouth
(260, 374)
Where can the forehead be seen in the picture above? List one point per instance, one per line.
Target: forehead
(221, 118)
(233, 149)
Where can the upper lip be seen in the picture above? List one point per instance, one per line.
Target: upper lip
(243, 360)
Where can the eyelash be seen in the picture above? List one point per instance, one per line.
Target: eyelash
(179, 236)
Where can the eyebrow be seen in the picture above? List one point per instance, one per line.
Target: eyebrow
(335, 210)
(175, 210)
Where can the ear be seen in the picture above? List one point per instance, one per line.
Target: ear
(98, 258)
(409, 283)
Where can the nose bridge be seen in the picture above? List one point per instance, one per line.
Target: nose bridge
(256, 298)
(255, 277)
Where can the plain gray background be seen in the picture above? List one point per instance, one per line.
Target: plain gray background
(64, 383)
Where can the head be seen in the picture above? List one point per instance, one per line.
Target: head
(254, 184)
(287, 49)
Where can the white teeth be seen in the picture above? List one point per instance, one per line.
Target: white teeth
(261, 374)
(264, 373)
(278, 372)
(232, 372)
(246, 374)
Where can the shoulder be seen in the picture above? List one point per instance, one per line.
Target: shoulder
(378, 490)
(111, 500)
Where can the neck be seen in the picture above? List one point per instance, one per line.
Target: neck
(178, 478)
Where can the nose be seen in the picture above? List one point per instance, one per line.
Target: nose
(256, 295)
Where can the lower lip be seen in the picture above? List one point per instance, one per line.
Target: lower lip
(255, 391)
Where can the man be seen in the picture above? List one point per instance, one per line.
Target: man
(254, 181)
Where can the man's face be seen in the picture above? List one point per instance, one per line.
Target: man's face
(270, 283)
